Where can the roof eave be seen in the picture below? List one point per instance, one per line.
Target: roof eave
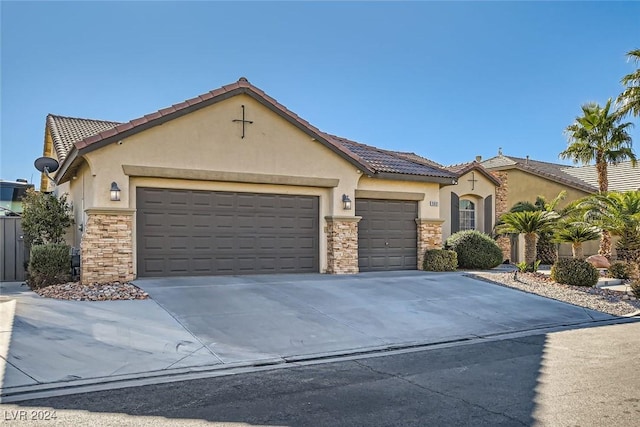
(420, 178)
(64, 173)
(98, 141)
(484, 172)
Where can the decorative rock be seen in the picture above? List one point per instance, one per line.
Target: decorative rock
(95, 292)
(599, 261)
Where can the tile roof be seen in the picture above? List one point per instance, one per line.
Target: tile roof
(552, 171)
(84, 134)
(65, 131)
(394, 161)
(462, 168)
(622, 177)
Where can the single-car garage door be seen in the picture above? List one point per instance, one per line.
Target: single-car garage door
(188, 232)
(387, 234)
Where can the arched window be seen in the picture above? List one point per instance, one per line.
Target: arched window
(467, 215)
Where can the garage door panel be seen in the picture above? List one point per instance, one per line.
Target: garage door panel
(185, 232)
(387, 234)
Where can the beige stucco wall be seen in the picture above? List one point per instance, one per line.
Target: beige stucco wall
(208, 141)
(482, 188)
(524, 186)
(428, 190)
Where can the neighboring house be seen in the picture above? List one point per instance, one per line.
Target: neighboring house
(622, 177)
(523, 179)
(470, 205)
(232, 182)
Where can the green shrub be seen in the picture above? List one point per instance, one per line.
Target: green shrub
(635, 288)
(574, 272)
(619, 270)
(474, 249)
(440, 260)
(45, 217)
(49, 265)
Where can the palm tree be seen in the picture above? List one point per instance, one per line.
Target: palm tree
(529, 223)
(629, 99)
(598, 135)
(546, 251)
(619, 214)
(576, 233)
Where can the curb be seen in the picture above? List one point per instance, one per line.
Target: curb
(21, 393)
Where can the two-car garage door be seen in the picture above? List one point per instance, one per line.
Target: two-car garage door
(189, 232)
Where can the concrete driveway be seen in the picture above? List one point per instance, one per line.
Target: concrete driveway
(253, 318)
(199, 324)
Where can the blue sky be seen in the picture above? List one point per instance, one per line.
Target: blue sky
(447, 80)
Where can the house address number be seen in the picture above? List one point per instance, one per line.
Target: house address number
(433, 203)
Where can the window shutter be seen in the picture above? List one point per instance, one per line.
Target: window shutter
(488, 210)
(455, 213)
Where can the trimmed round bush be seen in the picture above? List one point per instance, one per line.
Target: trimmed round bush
(619, 270)
(49, 265)
(575, 272)
(474, 249)
(440, 260)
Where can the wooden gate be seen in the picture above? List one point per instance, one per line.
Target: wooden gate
(13, 252)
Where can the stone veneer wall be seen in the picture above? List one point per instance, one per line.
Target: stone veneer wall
(342, 245)
(504, 242)
(107, 247)
(429, 237)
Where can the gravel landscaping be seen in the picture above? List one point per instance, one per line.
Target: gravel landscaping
(607, 301)
(76, 291)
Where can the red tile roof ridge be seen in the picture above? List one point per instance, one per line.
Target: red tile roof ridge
(60, 116)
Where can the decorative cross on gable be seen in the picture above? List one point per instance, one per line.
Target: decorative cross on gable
(243, 121)
(473, 180)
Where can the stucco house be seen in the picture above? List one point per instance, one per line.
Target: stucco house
(232, 182)
(523, 179)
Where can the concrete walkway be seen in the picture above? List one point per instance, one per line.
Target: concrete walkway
(218, 322)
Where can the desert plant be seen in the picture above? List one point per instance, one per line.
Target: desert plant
(523, 267)
(546, 251)
(49, 265)
(598, 135)
(440, 260)
(576, 233)
(635, 287)
(629, 99)
(619, 270)
(529, 223)
(619, 214)
(574, 272)
(474, 249)
(45, 217)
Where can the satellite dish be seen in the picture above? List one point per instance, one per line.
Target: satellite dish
(46, 164)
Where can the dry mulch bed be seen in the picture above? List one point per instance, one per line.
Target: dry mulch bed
(75, 291)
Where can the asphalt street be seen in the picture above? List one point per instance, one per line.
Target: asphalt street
(580, 377)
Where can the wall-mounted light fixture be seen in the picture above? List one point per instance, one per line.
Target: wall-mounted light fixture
(115, 192)
(346, 202)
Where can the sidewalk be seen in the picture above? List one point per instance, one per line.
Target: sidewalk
(62, 341)
(56, 346)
